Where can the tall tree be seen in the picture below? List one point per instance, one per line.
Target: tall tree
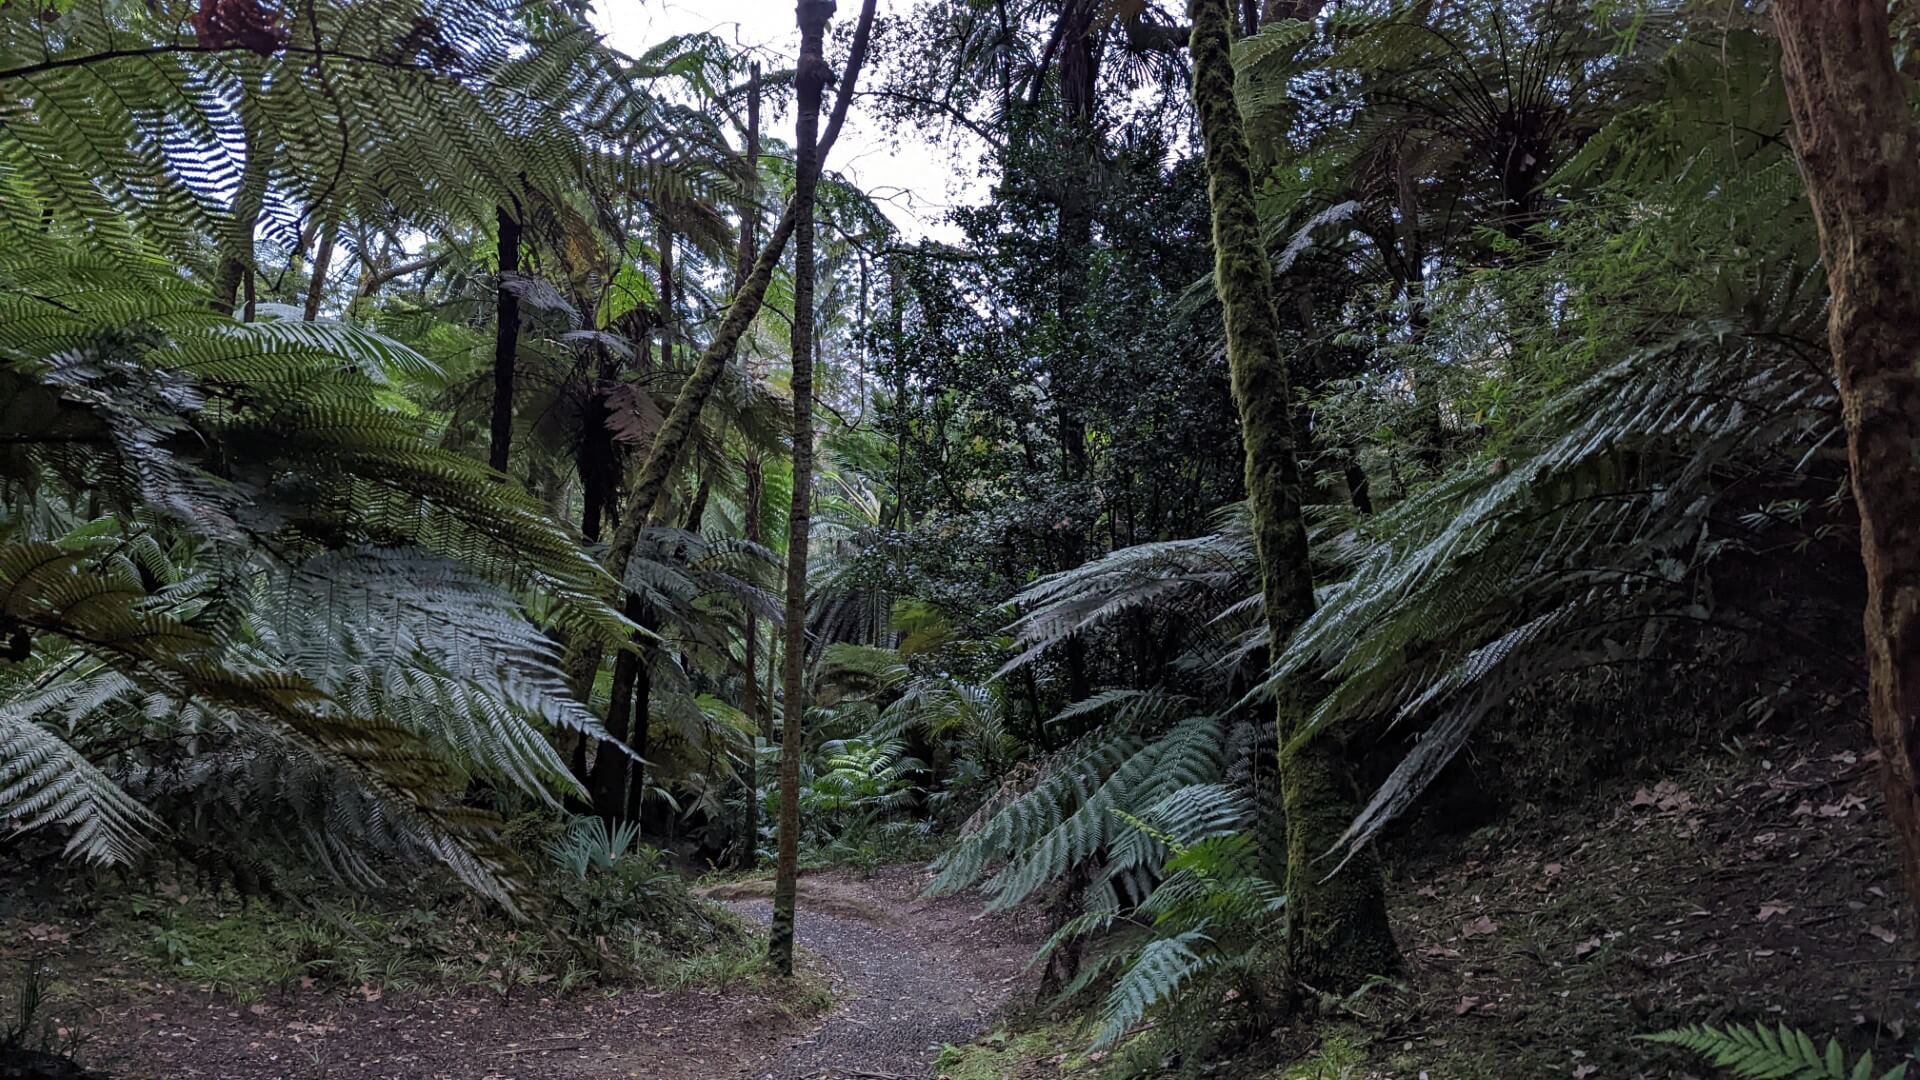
(676, 432)
(758, 711)
(1337, 932)
(810, 83)
(1860, 155)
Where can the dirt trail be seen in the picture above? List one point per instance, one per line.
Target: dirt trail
(907, 974)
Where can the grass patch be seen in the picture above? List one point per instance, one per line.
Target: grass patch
(633, 923)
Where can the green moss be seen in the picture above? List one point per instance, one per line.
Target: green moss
(1338, 1058)
(638, 924)
(1061, 1047)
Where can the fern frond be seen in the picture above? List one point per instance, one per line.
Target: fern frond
(1757, 1052)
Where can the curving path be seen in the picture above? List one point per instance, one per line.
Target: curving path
(908, 976)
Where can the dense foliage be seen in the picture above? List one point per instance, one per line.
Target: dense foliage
(396, 461)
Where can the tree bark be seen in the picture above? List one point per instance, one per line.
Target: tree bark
(607, 784)
(664, 239)
(749, 203)
(505, 341)
(811, 79)
(750, 683)
(236, 249)
(322, 264)
(1860, 155)
(1337, 932)
(1079, 86)
(758, 711)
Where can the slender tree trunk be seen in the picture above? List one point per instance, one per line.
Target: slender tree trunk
(322, 264)
(811, 79)
(663, 237)
(1337, 932)
(1860, 154)
(750, 204)
(607, 784)
(1079, 84)
(236, 250)
(640, 741)
(597, 456)
(750, 684)
(506, 339)
(676, 432)
(758, 711)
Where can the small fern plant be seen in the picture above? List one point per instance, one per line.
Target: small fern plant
(591, 845)
(1756, 1052)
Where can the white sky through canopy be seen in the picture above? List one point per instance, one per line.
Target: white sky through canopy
(913, 181)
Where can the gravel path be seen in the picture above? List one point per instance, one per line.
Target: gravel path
(896, 1000)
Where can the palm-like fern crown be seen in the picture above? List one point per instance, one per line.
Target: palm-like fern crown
(146, 125)
(286, 556)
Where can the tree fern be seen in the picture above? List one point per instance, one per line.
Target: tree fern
(1068, 817)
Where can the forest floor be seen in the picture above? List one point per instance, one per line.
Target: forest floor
(1756, 885)
(907, 975)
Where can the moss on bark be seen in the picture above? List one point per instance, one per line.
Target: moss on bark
(1337, 932)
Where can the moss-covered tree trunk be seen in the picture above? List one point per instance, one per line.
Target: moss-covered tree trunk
(676, 432)
(1337, 931)
(649, 482)
(810, 84)
(1860, 154)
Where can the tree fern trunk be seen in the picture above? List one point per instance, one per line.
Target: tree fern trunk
(506, 340)
(322, 265)
(811, 79)
(1860, 154)
(1337, 931)
(759, 712)
(750, 684)
(236, 250)
(607, 784)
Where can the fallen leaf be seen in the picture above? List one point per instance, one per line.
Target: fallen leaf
(1846, 805)
(1479, 927)
(1553, 869)
(1466, 1006)
(1587, 946)
(1883, 933)
(1581, 1072)
(1771, 908)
